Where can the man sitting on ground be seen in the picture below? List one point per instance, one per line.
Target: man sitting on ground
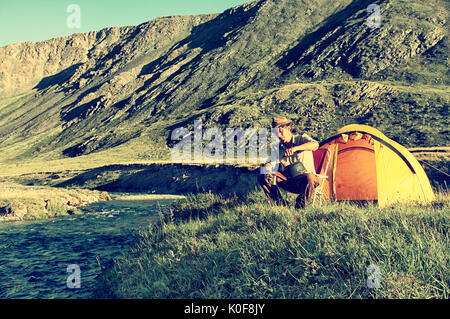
(295, 173)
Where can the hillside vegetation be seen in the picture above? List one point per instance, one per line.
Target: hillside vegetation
(123, 90)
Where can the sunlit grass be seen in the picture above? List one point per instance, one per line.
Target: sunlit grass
(212, 246)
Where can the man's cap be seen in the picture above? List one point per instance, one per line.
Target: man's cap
(280, 121)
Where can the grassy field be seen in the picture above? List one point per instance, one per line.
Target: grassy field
(213, 246)
(217, 246)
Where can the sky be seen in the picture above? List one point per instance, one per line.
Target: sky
(38, 20)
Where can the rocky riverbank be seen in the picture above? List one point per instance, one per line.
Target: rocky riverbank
(19, 202)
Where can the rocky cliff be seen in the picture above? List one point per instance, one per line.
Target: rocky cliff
(316, 61)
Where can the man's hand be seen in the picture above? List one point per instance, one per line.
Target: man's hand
(269, 178)
(290, 151)
(268, 167)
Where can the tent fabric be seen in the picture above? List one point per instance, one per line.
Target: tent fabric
(367, 165)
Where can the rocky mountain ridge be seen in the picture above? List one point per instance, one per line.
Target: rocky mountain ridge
(316, 61)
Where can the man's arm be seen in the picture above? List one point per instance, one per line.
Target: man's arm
(308, 146)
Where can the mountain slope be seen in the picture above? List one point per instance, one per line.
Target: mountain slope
(315, 61)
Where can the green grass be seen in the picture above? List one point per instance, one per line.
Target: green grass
(228, 247)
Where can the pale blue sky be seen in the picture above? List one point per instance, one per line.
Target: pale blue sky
(37, 20)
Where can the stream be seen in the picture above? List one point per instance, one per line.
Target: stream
(60, 258)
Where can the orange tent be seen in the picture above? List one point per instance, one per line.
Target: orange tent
(366, 165)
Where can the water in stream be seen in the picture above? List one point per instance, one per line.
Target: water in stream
(35, 255)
